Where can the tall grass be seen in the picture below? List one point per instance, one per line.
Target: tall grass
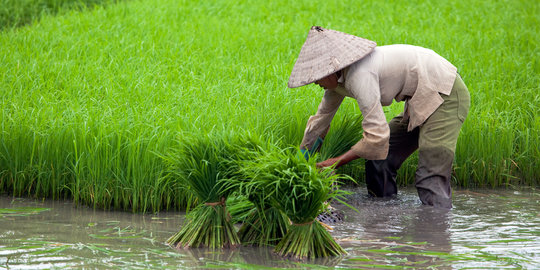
(16, 13)
(89, 100)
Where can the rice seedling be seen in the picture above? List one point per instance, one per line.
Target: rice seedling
(344, 132)
(21, 211)
(239, 207)
(264, 224)
(16, 13)
(298, 189)
(203, 165)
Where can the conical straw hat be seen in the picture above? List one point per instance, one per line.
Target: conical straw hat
(325, 52)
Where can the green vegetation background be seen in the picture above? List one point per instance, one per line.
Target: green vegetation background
(91, 97)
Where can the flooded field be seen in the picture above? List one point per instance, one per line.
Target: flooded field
(486, 229)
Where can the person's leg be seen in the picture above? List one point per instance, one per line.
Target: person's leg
(437, 143)
(381, 174)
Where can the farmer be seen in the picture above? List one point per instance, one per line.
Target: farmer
(436, 104)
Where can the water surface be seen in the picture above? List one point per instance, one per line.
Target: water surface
(485, 229)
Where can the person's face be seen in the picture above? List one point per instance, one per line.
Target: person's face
(328, 82)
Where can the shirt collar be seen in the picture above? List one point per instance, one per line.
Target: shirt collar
(341, 78)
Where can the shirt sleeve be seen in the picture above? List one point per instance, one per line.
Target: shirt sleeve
(319, 124)
(364, 86)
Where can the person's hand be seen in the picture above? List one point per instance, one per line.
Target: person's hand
(341, 160)
(327, 163)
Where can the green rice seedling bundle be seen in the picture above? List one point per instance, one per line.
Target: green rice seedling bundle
(300, 190)
(239, 207)
(265, 224)
(204, 165)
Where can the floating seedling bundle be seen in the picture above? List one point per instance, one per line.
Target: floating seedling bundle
(297, 188)
(204, 165)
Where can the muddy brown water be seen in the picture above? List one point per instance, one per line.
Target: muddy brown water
(485, 229)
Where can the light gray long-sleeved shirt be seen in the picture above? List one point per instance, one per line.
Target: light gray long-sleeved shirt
(393, 72)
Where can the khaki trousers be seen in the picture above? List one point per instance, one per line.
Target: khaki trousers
(436, 143)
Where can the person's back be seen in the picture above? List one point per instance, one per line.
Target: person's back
(400, 71)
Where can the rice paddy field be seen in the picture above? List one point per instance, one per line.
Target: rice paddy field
(92, 98)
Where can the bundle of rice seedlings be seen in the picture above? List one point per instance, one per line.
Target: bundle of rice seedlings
(265, 225)
(239, 207)
(204, 165)
(297, 188)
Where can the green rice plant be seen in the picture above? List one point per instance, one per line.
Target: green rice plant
(265, 224)
(239, 207)
(344, 132)
(263, 227)
(300, 190)
(262, 224)
(203, 165)
(15, 13)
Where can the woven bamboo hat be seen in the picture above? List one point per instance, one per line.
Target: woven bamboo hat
(325, 52)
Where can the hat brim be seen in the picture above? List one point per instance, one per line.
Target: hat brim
(325, 52)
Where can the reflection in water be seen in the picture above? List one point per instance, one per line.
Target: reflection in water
(485, 229)
(395, 231)
(430, 225)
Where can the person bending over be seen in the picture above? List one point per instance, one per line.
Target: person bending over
(436, 104)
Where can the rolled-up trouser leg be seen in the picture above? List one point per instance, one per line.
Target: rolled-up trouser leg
(381, 174)
(436, 147)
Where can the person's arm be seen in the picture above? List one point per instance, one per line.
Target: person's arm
(339, 161)
(318, 124)
(364, 86)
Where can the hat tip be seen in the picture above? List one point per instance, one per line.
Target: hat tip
(294, 83)
(291, 85)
